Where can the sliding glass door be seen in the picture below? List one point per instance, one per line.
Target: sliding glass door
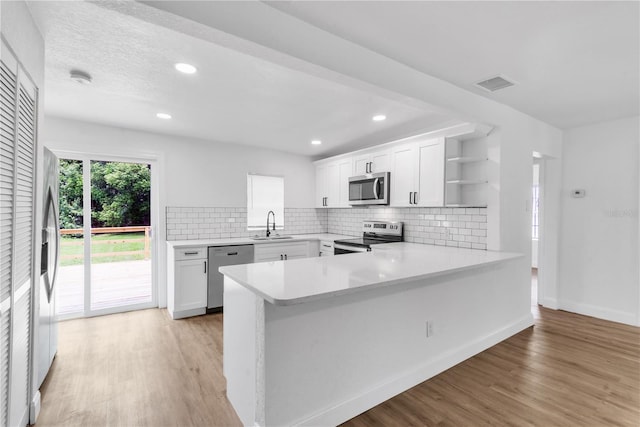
(107, 245)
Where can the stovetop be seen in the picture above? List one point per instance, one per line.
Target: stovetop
(376, 232)
(364, 242)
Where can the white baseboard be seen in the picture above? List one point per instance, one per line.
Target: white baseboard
(599, 312)
(414, 376)
(34, 408)
(551, 303)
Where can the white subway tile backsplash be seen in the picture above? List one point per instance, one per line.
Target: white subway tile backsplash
(421, 225)
(467, 227)
(194, 223)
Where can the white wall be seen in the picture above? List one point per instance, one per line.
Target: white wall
(24, 39)
(599, 233)
(195, 172)
(192, 172)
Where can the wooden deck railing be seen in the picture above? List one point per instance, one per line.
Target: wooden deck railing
(110, 230)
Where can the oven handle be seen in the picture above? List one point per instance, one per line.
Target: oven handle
(350, 248)
(375, 188)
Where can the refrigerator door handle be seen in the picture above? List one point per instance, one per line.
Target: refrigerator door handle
(50, 279)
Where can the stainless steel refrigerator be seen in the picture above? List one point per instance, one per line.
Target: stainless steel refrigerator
(48, 326)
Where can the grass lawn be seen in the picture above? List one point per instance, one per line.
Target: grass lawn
(102, 244)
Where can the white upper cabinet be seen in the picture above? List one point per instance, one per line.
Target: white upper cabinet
(321, 185)
(332, 183)
(404, 168)
(443, 168)
(417, 173)
(374, 161)
(431, 173)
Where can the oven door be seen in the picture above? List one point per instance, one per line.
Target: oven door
(371, 189)
(339, 249)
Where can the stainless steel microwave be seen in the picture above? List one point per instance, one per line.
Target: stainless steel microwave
(369, 189)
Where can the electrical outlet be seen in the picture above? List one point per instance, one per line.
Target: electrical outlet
(429, 328)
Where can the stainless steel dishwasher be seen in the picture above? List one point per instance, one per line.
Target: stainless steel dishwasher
(219, 256)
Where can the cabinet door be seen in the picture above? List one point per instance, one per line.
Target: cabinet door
(361, 164)
(333, 185)
(431, 173)
(190, 284)
(403, 175)
(344, 172)
(380, 161)
(321, 185)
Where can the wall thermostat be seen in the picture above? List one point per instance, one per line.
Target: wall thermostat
(577, 193)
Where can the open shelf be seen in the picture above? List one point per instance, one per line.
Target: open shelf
(466, 159)
(466, 181)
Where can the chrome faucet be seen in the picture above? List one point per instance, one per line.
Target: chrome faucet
(274, 222)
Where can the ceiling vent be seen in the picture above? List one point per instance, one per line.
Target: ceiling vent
(494, 83)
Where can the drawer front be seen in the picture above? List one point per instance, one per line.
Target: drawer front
(326, 246)
(199, 252)
(272, 251)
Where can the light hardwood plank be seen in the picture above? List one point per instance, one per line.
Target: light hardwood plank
(144, 369)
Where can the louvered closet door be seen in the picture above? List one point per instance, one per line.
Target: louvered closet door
(7, 155)
(23, 235)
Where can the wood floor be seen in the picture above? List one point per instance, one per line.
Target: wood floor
(144, 369)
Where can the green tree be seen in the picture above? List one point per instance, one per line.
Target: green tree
(70, 198)
(120, 194)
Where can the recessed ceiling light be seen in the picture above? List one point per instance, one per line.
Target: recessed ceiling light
(379, 118)
(186, 68)
(316, 142)
(80, 76)
(163, 116)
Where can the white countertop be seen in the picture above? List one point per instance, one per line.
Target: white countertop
(249, 241)
(303, 280)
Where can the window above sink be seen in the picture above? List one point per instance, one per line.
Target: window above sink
(265, 193)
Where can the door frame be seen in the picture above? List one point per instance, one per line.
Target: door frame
(86, 158)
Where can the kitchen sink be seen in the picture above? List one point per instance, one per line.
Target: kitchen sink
(271, 237)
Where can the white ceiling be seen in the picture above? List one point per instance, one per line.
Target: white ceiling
(575, 62)
(233, 98)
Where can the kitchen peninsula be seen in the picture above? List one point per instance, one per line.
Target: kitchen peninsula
(317, 341)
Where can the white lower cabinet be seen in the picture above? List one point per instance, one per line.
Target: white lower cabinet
(187, 271)
(187, 281)
(326, 247)
(281, 251)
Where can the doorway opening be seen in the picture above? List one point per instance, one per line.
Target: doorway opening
(535, 230)
(106, 247)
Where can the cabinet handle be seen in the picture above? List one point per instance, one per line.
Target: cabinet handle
(281, 257)
(285, 257)
(205, 267)
(415, 197)
(191, 253)
(366, 167)
(410, 194)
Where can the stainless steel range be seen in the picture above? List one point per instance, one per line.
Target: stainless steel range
(373, 233)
